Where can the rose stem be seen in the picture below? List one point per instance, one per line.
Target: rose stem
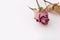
(38, 4)
(32, 8)
(47, 2)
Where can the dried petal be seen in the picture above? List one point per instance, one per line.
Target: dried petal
(42, 17)
(37, 15)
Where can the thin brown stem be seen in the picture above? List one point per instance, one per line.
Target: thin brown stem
(32, 8)
(47, 2)
(37, 3)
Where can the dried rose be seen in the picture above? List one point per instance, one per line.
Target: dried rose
(44, 18)
(41, 15)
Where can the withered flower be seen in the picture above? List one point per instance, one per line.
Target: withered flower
(41, 15)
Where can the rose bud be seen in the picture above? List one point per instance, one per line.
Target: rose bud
(44, 17)
(41, 15)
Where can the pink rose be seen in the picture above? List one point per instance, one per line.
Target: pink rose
(42, 17)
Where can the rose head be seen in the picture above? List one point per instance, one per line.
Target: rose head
(42, 17)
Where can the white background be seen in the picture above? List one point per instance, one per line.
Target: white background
(17, 22)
